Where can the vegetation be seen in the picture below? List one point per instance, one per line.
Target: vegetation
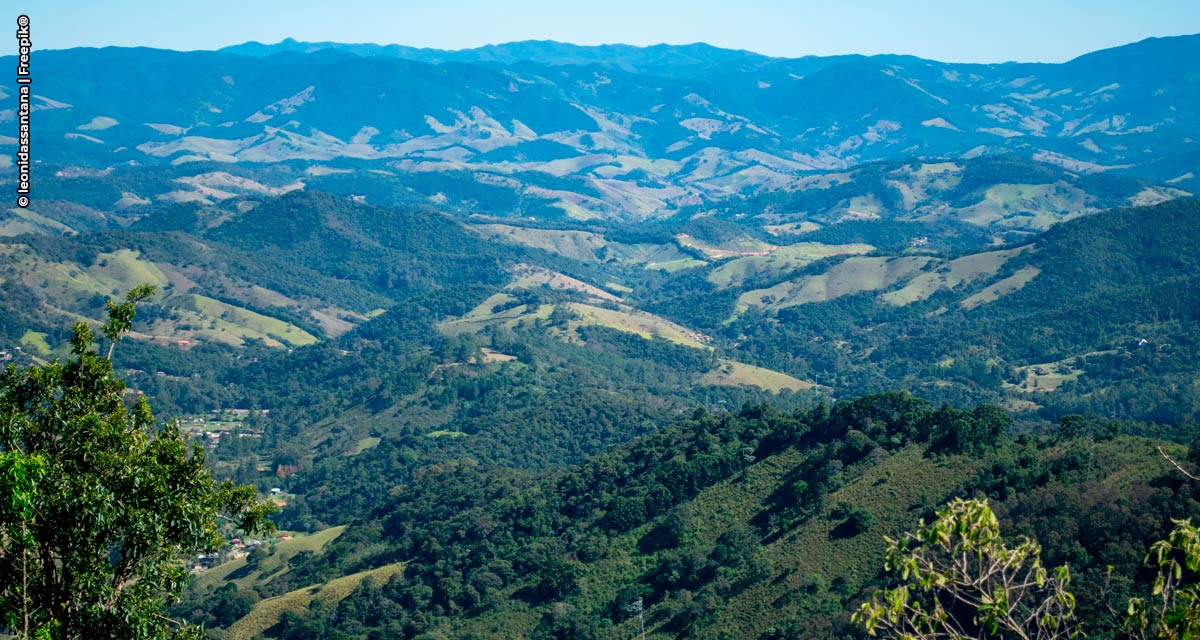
(979, 586)
(99, 506)
(966, 583)
(497, 410)
(761, 524)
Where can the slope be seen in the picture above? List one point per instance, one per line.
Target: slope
(1110, 296)
(759, 525)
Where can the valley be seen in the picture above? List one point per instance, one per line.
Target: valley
(535, 332)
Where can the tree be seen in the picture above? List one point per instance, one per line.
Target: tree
(962, 581)
(100, 506)
(859, 522)
(1071, 426)
(1173, 611)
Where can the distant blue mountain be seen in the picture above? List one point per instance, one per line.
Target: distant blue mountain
(690, 121)
(547, 52)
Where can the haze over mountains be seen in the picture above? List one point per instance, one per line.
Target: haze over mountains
(645, 131)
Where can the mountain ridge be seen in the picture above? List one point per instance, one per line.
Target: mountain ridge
(257, 48)
(651, 139)
(551, 52)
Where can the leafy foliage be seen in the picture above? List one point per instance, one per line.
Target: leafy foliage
(1173, 610)
(100, 506)
(965, 582)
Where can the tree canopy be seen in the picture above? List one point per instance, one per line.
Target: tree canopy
(100, 506)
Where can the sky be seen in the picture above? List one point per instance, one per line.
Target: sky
(946, 30)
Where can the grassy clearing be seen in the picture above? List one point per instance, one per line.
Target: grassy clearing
(21, 221)
(36, 341)
(113, 275)
(492, 357)
(125, 269)
(742, 246)
(194, 317)
(931, 177)
(731, 373)
(678, 264)
(444, 433)
(735, 272)
(626, 319)
(1008, 285)
(1019, 405)
(1049, 376)
(365, 444)
(578, 245)
(277, 561)
(243, 323)
(1153, 195)
(529, 277)
(951, 274)
(642, 253)
(791, 228)
(854, 275)
(575, 211)
(863, 208)
(1051, 380)
(266, 614)
(1027, 206)
(487, 314)
(218, 181)
(930, 170)
(488, 307)
(632, 321)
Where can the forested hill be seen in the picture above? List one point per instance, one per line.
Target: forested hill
(525, 335)
(1095, 316)
(762, 524)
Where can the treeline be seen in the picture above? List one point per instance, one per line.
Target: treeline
(475, 535)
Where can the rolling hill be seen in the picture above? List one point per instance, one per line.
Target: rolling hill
(760, 524)
(646, 131)
(528, 333)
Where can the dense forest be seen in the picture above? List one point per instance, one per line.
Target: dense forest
(486, 417)
(755, 524)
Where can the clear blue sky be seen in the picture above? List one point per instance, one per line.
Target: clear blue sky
(948, 30)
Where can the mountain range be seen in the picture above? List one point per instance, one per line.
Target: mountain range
(527, 334)
(641, 132)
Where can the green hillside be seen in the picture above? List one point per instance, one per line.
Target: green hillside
(1119, 284)
(545, 341)
(758, 525)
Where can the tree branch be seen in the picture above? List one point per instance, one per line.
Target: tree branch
(1176, 464)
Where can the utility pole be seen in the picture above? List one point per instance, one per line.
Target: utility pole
(638, 607)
